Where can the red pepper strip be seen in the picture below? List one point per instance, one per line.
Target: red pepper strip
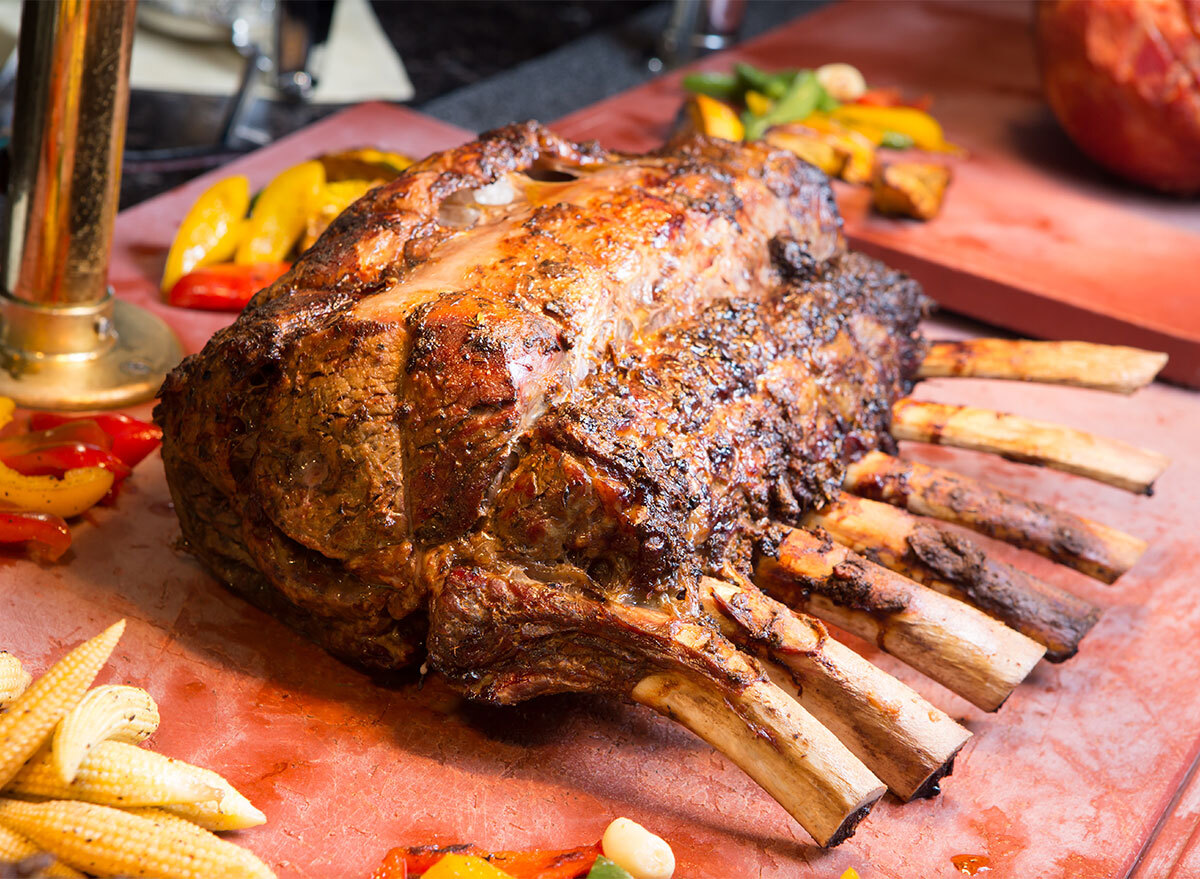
(880, 97)
(85, 432)
(57, 460)
(225, 287)
(131, 440)
(46, 537)
(562, 864)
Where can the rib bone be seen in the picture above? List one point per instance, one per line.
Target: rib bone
(903, 739)
(1086, 546)
(956, 645)
(548, 639)
(1113, 368)
(1029, 441)
(956, 566)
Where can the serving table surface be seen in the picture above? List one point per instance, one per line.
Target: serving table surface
(1082, 773)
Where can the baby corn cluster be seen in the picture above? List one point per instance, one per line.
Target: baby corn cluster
(78, 793)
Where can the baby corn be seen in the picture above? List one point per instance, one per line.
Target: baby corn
(29, 721)
(229, 811)
(104, 841)
(13, 678)
(15, 848)
(109, 713)
(116, 774)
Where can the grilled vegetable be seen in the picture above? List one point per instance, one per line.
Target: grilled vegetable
(226, 287)
(714, 118)
(130, 440)
(722, 86)
(910, 189)
(210, 231)
(843, 82)
(279, 215)
(44, 536)
(464, 867)
(29, 721)
(333, 198)
(925, 131)
(110, 842)
(800, 100)
(606, 869)
(116, 774)
(111, 713)
(638, 851)
(230, 810)
(14, 679)
(363, 164)
(560, 864)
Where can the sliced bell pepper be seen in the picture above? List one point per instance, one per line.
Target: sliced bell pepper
(131, 439)
(722, 86)
(464, 867)
(334, 197)
(561, 864)
(279, 214)
(757, 103)
(226, 287)
(714, 118)
(925, 131)
(364, 164)
(57, 460)
(46, 537)
(77, 490)
(210, 231)
(799, 101)
(606, 869)
(86, 432)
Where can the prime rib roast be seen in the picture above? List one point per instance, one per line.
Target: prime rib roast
(551, 419)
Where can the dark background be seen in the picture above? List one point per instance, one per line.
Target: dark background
(474, 63)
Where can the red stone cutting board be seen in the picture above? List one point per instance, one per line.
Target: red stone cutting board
(1032, 236)
(1079, 772)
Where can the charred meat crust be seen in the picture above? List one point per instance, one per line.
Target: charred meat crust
(352, 436)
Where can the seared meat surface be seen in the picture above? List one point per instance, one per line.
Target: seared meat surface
(588, 372)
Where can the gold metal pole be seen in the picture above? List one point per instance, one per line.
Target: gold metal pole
(65, 341)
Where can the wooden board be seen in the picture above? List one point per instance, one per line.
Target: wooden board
(1078, 774)
(1032, 236)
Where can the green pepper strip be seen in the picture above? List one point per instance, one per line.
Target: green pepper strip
(724, 86)
(606, 869)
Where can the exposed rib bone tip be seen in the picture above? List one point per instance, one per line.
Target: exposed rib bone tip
(1115, 368)
(1029, 442)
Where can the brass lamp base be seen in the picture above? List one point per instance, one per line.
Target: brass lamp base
(94, 356)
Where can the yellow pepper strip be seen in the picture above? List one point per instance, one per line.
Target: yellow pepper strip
(758, 103)
(78, 489)
(714, 118)
(396, 161)
(211, 230)
(925, 131)
(333, 198)
(464, 867)
(825, 124)
(850, 873)
(280, 214)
